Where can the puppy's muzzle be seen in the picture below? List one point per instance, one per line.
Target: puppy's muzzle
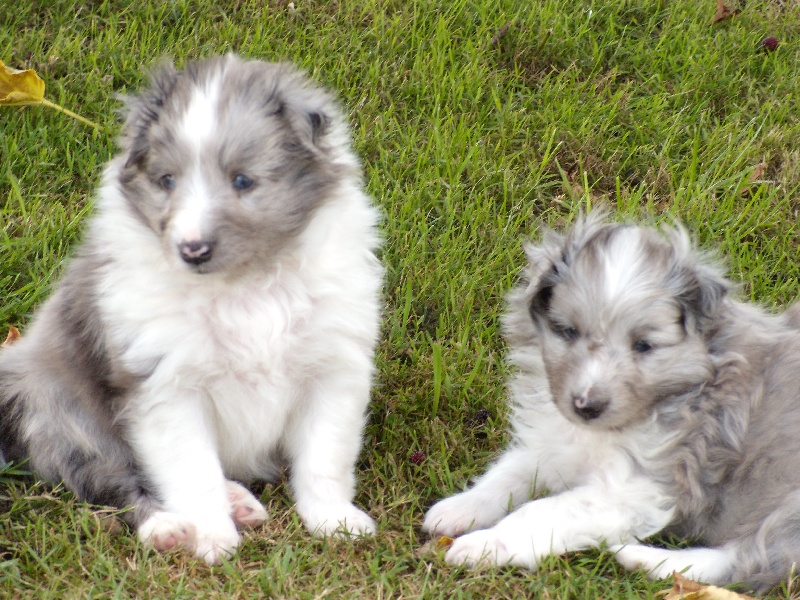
(588, 407)
(196, 253)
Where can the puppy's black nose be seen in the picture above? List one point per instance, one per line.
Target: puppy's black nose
(196, 253)
(588, 407)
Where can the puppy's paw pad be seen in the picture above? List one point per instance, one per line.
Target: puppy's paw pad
(246, 510)
(248, 516)
(165, 531)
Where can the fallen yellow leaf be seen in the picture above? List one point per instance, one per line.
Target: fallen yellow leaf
(444, 542)
(20, 88)
(13, 336)
(686, 589)
(24, 87)
(433, 547)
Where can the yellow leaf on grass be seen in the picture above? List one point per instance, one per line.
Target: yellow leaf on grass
(20, 88)
(13, 336)
(686, 589)
(24, 87)
(444, 542)
(434, 547)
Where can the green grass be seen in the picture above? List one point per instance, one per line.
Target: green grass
(477, 121)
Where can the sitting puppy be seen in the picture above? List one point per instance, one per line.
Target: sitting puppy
(218, 321)
(646, 400)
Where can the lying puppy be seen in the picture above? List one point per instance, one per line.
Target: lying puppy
(218, 321)
(646, 400)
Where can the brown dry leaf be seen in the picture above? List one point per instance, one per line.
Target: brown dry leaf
(723, 12)
(757, 172)
(13, 336)
(686, 589)
(106, 521)
(20, 88)
(753, 178)
(501, 33)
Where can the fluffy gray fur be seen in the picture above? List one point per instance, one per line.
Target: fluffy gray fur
(725, 391)
(60, 397)
(645, 398)
(64, 388)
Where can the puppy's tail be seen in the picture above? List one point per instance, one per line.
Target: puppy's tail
(62, 433)
(772, 555)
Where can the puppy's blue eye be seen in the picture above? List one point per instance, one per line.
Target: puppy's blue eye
(242, 182)
(168, 182)
(641, 347)
(568, 333)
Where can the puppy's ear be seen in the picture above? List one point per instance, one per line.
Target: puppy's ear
(547, 266)
(144, 109)
(696, 281)
(308, 111)
(310, 122)
(550, 262)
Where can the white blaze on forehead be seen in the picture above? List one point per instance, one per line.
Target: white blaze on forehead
(197, 129)
(623, 263)
(198, 121)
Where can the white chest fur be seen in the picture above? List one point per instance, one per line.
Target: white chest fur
(247, 351)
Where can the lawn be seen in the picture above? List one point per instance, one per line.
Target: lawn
(478, 121)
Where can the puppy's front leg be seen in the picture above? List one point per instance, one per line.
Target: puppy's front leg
(174, 443)
(576, 519)
(507, 484)
(323, 444)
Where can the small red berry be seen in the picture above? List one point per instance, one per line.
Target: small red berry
(417, 457)
(769, 43)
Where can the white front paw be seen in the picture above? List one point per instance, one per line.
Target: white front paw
(339, 520)
(165, 531)
(508, 543)
(480, 548)
(656, 561)
(712, 565)
(216, 540)
(627, 555)
(458, 514)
